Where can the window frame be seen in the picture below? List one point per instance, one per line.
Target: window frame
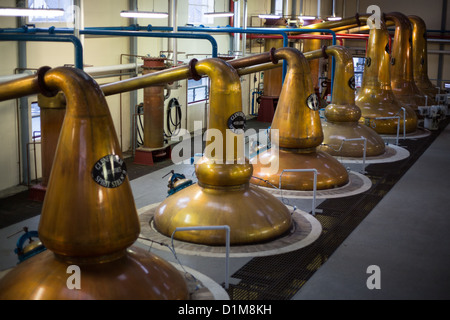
(64, 19)
(204, 84)
(208, 7)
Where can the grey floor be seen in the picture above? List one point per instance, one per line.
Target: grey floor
(406, 235)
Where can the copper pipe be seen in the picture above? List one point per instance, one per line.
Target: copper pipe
(420, 58)
(18, 88)
(402, 74)
(343, 24)
(155, 78)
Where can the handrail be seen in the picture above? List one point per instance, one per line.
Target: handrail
(313, 211)
(227, 243)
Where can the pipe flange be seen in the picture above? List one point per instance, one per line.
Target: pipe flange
(358, 22)
(43, 89)
(193, 73)
(273, 59)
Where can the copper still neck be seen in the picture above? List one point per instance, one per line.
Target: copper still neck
(420, 58)
(298, 124)
(376, 98)
(402, 73)
(295, 132)
(223, 195)
(88, 217)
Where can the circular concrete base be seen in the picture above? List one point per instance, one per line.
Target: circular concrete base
(201, 287)
(393, 153)
(305, 230)
(419, 133)
(358, 183)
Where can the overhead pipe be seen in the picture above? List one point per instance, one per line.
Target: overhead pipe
(173, 22)
(115, 32)
(48, 38)
(280, 31)
(245, 23)
(318, 36)
(237, 24)
(95, 223)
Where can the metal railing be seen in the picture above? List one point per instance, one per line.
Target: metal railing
(227, 243)
(313, 211)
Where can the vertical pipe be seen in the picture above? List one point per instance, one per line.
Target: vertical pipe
(237, 24)
(244, 35)
(23, 101)
(272, 6)
(318, 9)
(78, 16)
(173, 23)
(133, 52)
(441, 46)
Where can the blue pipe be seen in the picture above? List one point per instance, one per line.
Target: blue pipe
(117, 31)
(178, 35)
(51, 38)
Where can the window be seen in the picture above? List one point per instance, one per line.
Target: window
(358, 66)
(197, 90)
(35, 119)
(278, 7)
(67, 5)
(196, 11)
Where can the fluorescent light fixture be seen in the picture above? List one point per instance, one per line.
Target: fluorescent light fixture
(143, 14)
(25, 12)
(307, 17)
(219, 14)
(269, 16)
(334, 18)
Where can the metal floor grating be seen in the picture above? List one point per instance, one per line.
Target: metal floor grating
(280, 277)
